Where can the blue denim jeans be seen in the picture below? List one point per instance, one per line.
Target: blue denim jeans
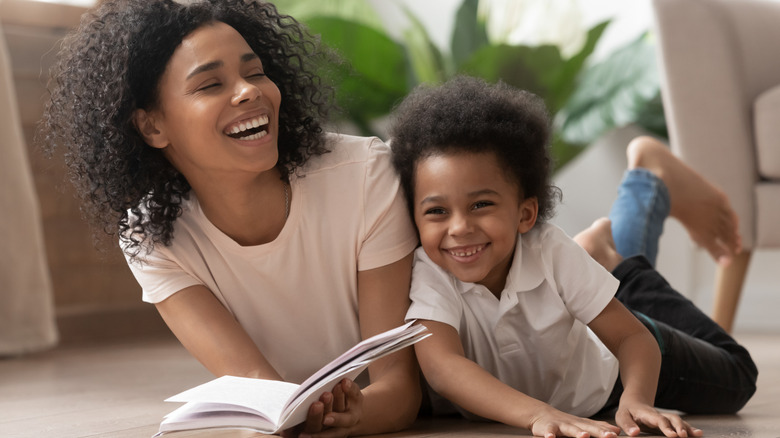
(638, 214)
(703, 369)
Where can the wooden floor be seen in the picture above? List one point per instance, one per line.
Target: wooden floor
(117, 390)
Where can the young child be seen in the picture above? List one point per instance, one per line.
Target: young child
(528, 329)
(193, 131)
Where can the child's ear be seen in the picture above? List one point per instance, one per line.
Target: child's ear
(147, 126)
(528, 210)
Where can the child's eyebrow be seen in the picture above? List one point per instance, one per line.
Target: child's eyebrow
(474, 194)
(482, 192)
(429, 199)
(213, 65)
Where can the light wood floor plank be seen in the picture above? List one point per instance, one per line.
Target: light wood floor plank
(117, 390)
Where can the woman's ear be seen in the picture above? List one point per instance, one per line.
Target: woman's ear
(147, 126)
(528, 210)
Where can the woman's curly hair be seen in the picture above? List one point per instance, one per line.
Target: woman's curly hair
(467, 114)
(112, 64)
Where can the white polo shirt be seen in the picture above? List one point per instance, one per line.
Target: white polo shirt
(534, 338)
(296, 296)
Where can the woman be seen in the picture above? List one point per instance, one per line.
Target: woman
(193, 132)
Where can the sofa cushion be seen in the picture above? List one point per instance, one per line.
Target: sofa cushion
(766, 113)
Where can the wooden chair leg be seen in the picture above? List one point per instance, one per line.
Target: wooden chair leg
(728, 288)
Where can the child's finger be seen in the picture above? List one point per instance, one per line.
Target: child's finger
(339, 399)
(327, 403)
(626, 422)
(314, 419)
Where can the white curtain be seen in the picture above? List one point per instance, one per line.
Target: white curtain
(27, 321)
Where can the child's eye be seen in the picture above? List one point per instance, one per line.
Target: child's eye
(482, 204)
(435, 211)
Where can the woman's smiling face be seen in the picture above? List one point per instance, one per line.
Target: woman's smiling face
(218, 112)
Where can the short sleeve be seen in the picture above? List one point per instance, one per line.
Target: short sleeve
(389, 232)
(433, 294)
(583, 284)
(159, 275)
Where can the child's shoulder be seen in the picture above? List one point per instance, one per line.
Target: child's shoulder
(426, 271)
(543, 234)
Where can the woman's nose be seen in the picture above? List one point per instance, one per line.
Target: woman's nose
(245, 92)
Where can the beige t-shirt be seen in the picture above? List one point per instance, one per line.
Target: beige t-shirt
(296, 296)
(535, 338)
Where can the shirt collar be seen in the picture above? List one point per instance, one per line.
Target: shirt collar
(525, 274)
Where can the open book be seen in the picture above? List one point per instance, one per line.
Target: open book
(270, 406)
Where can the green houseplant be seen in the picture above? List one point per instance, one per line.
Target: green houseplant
(585, 98)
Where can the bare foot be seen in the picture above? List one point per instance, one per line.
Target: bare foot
(701, 207)
(598, 242)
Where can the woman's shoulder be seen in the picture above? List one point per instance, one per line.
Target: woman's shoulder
(344, 149)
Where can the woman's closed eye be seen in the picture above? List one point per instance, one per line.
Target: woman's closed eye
(208, 86)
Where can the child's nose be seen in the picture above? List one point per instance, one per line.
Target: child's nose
(460, 224)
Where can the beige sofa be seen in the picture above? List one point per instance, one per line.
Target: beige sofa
(720, 66)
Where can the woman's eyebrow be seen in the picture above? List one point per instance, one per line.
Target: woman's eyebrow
(205, 67)
(248, 57)
(217, 64)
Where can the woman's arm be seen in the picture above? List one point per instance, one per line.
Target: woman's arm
(468, 385)
(392, 400)
(211, 334)
(640, 364)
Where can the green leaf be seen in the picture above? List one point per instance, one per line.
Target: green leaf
(524, 67)
(652, 118)
(566, 78)
(468, 34)
(562, 151)
(426, 60)
(612, 93)
(358, 11)
(374, 76)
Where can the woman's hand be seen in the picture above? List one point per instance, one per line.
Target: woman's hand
(334, 415)
(554, 423)
(630, 415)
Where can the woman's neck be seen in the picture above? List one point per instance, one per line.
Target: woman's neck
(251, 211)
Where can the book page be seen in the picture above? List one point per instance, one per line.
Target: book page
(283, 404)
(265, 396)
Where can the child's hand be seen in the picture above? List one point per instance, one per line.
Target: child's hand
(631, 415)
(554, 423)
(334, 415)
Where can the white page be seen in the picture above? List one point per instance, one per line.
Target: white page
(266, 396)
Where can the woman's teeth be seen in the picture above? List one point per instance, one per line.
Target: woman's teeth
(245, 125)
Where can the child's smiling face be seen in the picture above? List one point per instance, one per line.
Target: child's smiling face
(469, 213)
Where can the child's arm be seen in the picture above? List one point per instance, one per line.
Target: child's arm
(640, 363)
(468, 385)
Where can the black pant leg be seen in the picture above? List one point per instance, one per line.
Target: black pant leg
(703, 370)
